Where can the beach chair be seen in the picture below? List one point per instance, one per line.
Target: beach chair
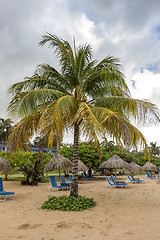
(54, 185)
(117, 185)
(140, 180)
(4, 193)
(114, 180)
(91, 177)
(85, 178)
(150, 176)
(134, 180)
(63, 182)
(70, 179)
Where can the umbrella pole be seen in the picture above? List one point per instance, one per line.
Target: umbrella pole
(116, 174)
(59, 174)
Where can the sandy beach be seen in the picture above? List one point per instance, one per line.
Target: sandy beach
(129, 213)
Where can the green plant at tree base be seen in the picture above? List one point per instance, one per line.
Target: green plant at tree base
(70, 203)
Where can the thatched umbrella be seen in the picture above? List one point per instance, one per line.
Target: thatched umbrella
(114, 162)
(82, 166)
(5, 165)
(148, 166)
(134, 167)
(58, 162)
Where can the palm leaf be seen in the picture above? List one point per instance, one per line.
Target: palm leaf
(129, 107)
(22, 132)
(26, 103)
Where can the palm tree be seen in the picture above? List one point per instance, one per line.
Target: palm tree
(87, 96)
(5, 127)
(155, 150)
(108, 145)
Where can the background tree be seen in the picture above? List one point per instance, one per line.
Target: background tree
(108, 145)
(87, 153)
(28, 164)
(5, 127)
(87, 96)
(43, 142)
(155, 150)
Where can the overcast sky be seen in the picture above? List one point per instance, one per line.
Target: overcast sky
(129, 30)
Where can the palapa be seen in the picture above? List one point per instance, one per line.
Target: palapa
(114, 162)
(134, 167)
(148, 166)
(5, 165)
(58, 162)
(82, 166)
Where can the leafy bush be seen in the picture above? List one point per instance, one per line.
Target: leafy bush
(70, 203)
(31, 164)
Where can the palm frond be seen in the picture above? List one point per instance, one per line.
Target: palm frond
(140, 110)
(63, 51)
(60, 113)
(104, 76)
(119, 128)
(45, 76)
(22, 132)
(26, 103)
(91, 126)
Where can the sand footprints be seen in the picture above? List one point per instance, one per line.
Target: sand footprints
(27, 226)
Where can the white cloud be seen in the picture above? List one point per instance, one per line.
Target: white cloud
(147, 86)
(124, 29)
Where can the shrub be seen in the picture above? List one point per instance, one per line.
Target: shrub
(70, 203)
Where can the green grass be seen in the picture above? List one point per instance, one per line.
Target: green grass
(17, 176)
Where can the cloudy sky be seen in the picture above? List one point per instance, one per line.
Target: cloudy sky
(129, 30)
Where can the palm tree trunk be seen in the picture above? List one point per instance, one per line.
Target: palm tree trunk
(74, 184)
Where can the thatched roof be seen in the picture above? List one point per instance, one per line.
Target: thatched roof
(5, 165)
(114, 162)
(82, 166)
(148, 166)
(134, 167)
(58, 162)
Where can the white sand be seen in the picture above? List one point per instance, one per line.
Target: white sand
(123, 214)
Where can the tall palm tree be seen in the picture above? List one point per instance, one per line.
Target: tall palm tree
(87, 96)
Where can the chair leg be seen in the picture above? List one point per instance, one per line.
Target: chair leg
(2, 200)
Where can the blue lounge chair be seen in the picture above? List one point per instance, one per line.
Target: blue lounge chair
(63, 182)
(134, 180)
(91, 177)
(4, 193)
(140, 180)
(54, 185)
(114, 180)
(150, 176)
(85, 178)
(118, 185)
(70, 179)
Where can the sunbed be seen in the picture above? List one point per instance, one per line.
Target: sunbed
(54, 185)
(150, 176)
(114, 180)
(63, 182)
(86, 178)
(141, 180)
(70, 179)
(117, 185)
(4, 193)
(91, 177)
(134, 180)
